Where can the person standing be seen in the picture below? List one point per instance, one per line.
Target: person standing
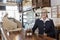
(45, 25)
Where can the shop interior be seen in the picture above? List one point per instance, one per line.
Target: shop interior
(17, 18)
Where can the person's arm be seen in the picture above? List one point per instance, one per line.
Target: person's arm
(35, 26)
(52, 33)
(52, 24)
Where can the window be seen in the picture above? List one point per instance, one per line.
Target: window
(2, 7)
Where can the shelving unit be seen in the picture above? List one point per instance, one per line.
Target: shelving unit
(55, 11)
(41, 3)
(28, 19)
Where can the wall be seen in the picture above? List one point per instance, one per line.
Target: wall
(1, 15)
(13, 12)
(55, 2)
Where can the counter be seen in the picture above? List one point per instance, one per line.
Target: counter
(21, 36)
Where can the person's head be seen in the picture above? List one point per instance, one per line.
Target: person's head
(44, 13)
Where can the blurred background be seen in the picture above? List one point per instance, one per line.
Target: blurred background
(27, 11)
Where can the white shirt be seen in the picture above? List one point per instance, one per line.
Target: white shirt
(47, 19)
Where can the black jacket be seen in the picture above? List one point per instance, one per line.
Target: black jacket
(47, 27)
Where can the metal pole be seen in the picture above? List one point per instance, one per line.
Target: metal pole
(3, 34)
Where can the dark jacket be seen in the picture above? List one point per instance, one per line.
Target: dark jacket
(47, 27)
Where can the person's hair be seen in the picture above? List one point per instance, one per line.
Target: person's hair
(47, 15)
(46, 12)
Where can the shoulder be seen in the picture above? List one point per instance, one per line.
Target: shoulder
(37, 19)
(51, 19)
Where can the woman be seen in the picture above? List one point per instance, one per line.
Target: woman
(44, 25)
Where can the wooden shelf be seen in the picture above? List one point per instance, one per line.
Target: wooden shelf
(41, 3)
